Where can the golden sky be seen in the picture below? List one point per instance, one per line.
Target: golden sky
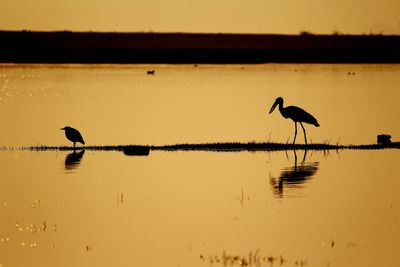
(226, 16)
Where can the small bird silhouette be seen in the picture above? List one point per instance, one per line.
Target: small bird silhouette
(73, 135)
(296, 114)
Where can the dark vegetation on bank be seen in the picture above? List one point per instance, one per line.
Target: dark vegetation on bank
(177, 48)
(218, 147)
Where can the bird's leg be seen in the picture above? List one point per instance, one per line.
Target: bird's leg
(74, 146)
(295, 132)
(304, 131)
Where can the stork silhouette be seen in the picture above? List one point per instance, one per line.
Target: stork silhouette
(296, 114)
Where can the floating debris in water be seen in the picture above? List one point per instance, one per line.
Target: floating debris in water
(4, 240)
(241, 198)
(271, 260)
(300, 263)
(33, 228)
(253, 258)
(36, 203)
(120, 198)
(351, 245)
(89, 248)
(19, 227)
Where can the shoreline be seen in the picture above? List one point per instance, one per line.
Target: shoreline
(190, 48)
(212, 147)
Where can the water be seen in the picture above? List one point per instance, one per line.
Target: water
(94, 208)
(124, 105)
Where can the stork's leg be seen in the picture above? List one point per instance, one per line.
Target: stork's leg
(295, 132)
(304, 131)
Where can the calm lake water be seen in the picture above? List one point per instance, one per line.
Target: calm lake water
(194, 208)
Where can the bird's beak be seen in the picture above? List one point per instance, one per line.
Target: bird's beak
(62, 129)
(273, 107)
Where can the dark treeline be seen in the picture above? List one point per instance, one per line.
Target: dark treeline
(94, 47)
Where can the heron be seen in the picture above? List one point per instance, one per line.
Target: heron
(296, 114)
(73, 135)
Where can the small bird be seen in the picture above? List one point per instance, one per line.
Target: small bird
(296, 114)
(73, 135)
(151, 72)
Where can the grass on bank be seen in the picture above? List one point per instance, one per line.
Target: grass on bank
(230, 146)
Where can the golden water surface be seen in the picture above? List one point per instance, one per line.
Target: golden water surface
(196, 208)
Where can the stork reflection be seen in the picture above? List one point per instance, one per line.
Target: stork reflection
(72, 160)
(294, 177)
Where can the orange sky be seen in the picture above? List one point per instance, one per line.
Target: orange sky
(227, 16)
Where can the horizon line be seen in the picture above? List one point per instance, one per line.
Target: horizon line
(300, 33)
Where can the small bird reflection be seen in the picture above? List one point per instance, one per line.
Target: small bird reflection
(294, 177)
(72, 160)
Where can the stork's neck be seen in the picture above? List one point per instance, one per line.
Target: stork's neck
(282, 109)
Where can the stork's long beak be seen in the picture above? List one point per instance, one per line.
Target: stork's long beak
(273, 107)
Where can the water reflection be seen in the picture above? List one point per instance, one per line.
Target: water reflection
(294, 177)
(72, 160)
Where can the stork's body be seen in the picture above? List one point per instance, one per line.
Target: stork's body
(73, 135)
(296, 114)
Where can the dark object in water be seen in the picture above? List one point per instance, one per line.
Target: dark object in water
(136, 151)
(151, 72)
(384, 139)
